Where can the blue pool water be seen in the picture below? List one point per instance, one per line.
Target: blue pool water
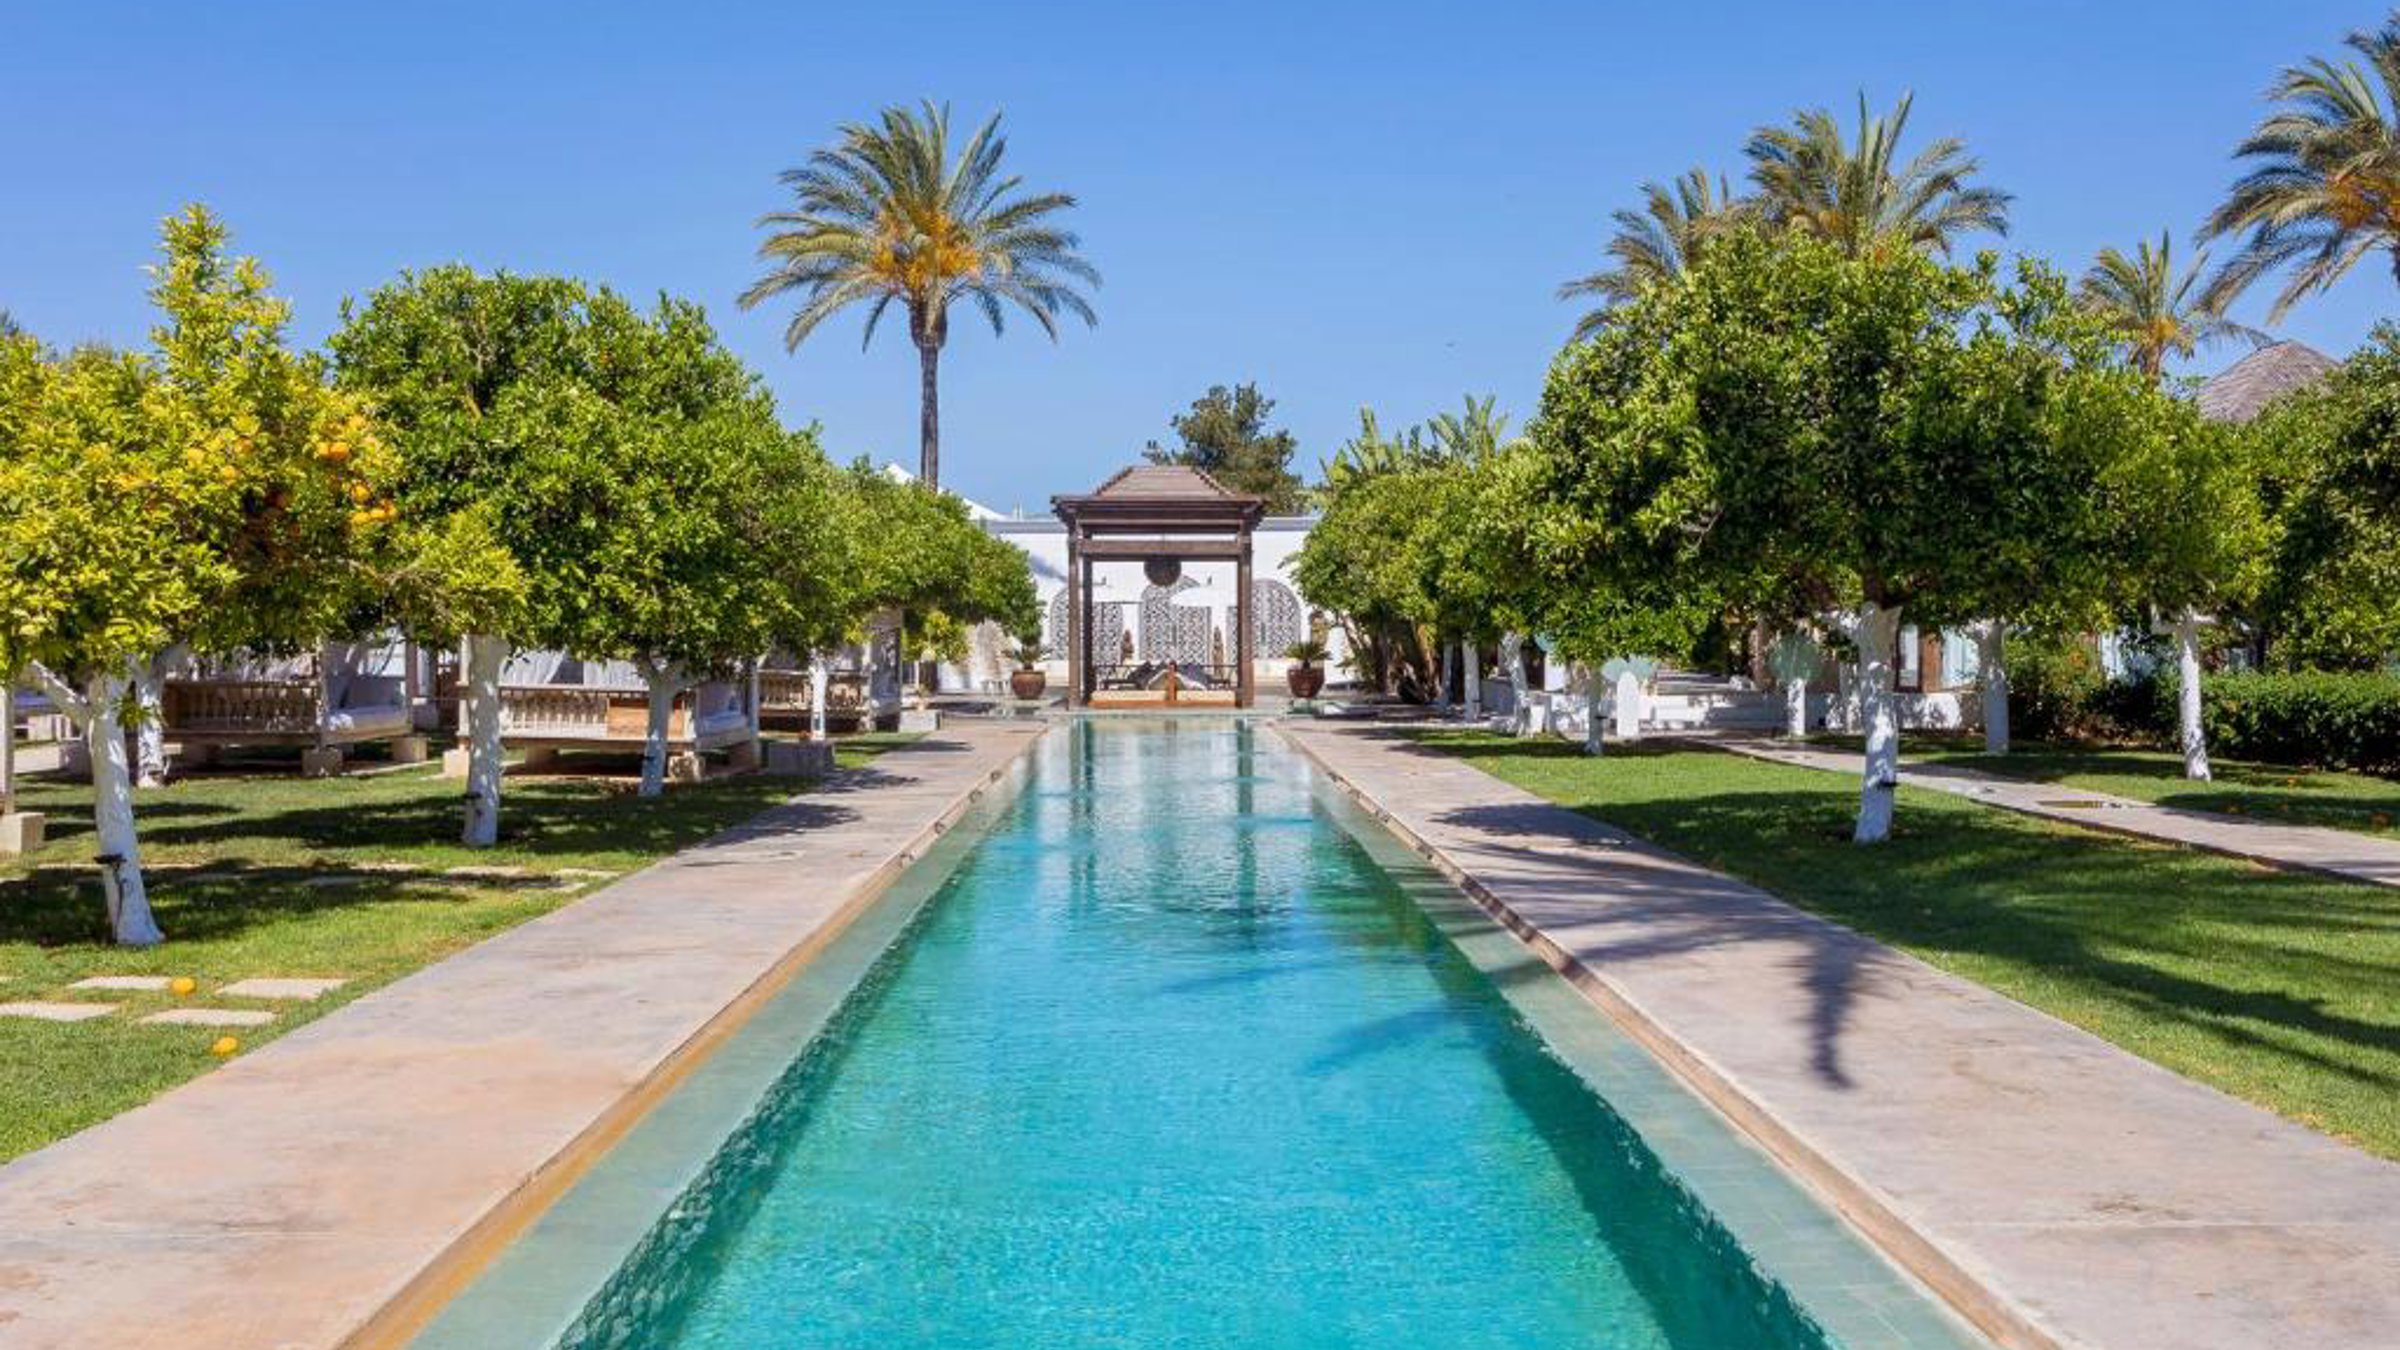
(1170, 1062)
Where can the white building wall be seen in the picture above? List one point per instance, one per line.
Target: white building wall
(1274, 545)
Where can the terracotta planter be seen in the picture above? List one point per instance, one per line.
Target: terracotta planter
(1027, 684)
(1305, 680)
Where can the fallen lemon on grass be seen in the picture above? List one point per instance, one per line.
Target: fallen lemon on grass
(182, 986)
(223, 1046)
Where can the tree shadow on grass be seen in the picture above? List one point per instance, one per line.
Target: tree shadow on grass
(56, 908)
(539, 818)
(2255, 958)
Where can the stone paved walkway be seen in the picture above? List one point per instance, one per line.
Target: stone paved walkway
(329, 1188)
(2311, 848)
(2058, 1191)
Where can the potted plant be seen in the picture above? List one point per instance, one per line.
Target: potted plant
(1305, 676)
(1027, 681)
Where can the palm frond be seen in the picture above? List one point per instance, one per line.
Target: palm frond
(896, 211)
(1655, 244)
(2322, 187)
(1855, 190)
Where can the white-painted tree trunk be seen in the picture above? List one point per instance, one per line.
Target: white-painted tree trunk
(1441, 697)
(150, 731)
(1512, 656)
(2187, 697)
(129, 919)
(1629, 706)
(480, 714)
(663, 685)
(820, 685)
(1878, 629)
(1991, 667)
(1471, 683)
(1595, 722)
(1795, 707)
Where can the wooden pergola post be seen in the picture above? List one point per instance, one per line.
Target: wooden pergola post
(1077, 621)
(1245, 687)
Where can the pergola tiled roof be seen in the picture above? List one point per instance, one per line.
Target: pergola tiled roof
(2242, 391)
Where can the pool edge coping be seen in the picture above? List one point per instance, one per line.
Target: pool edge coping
(439, 1282)
(1990, 1312)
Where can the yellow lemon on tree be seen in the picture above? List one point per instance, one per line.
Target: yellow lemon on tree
(334, 452)
(223, 1046)
(182, 986)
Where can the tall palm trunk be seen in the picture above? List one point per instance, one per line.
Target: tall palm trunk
(929, 410)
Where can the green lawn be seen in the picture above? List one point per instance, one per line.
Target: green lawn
(257, 875)
(2278, 987)
(2342, 801)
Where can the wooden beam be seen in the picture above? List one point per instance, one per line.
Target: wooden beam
(1225, 550)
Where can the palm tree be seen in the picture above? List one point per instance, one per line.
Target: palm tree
(1370, 454)
(2152, 309)
(1476, 433)
(1809, 178)
(888, 215)
(1655, 243)
(2325, 187)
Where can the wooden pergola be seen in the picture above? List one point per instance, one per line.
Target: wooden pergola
(1156, 513)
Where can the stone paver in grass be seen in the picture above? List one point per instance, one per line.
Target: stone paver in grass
(209, 1017)
(281, 988)
(57, 1012)
(126, 984)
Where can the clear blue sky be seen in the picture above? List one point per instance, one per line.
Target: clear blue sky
(1350, 204)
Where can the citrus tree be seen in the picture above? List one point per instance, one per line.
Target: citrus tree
(923, 558)
(1798, 428)
(1361, 561)
(214, 493)
(2332, 589)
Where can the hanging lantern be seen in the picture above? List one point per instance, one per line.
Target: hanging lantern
(1163, 571)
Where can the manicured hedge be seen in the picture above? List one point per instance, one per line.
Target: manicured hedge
(2322, 718)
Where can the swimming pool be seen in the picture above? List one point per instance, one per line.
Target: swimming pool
(1168, 1050)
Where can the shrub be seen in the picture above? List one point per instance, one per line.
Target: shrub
(2334, 720)
(2052, 684)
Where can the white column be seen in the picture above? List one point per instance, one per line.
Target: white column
(1629, 705)
(1473, 681)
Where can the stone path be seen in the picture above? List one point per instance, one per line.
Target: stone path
(2310, 848)
(2058, 1191)
(329, 1189)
